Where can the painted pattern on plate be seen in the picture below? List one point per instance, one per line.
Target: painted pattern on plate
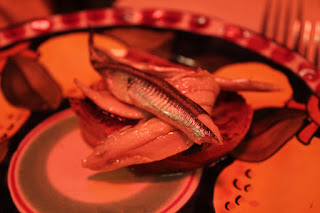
(275, 168)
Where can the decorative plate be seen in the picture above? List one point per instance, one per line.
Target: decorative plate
(277, 172)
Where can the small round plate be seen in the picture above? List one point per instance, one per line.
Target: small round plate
(45, 175)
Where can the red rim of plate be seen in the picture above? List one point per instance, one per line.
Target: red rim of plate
(12, 181)
(165, 19)
(23, 205)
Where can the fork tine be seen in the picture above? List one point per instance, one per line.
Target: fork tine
(276, 23)
(266, 17)
(298, 26)
(306, 38)
(288, 14)
(295, 35)
(316, 39)
(310, 42)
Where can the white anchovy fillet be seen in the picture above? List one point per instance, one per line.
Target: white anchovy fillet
(154, 139)
(149, 87)
(241, 84)
(244, 84)
(119, 149)
(106, 101)
(158, 97)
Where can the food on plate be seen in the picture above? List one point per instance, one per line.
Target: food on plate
(259, 72)
(160, 118)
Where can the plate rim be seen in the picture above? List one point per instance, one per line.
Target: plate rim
(164, 19)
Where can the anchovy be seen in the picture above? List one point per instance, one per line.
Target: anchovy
(158, 97)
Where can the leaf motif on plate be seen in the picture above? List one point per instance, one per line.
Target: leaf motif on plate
(270, 130)
(26, 83)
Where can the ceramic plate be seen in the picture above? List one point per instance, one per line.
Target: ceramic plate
(277, 173)
(45, 175)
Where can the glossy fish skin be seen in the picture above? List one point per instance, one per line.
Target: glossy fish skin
(106, 101)
(241, 84)
(166, 107)
(160, 98)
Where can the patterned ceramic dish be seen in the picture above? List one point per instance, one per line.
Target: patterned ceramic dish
(283, 176)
